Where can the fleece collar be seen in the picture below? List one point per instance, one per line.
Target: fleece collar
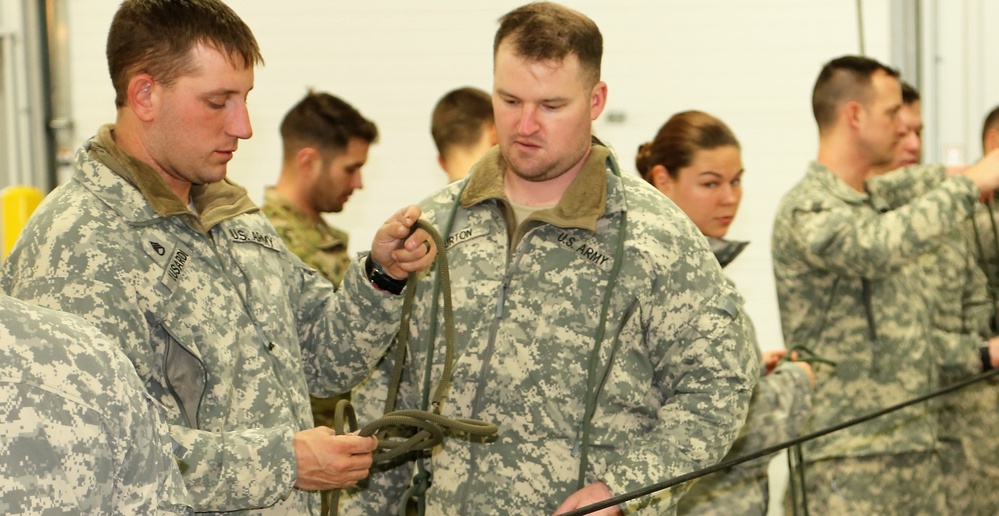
(216, 202)
(581, 206)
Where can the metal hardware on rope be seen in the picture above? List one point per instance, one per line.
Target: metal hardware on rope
(675, 481)
(430, 425)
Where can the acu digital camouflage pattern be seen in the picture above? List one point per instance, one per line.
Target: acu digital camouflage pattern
(78, 434)
(675, 370)
(777, 412)
(897, 484)
(227, 329)
(849, 287)
(319, 245)
(962, 312)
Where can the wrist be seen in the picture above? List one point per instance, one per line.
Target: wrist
(380, 279)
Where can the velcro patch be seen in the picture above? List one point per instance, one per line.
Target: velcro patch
(243, 235)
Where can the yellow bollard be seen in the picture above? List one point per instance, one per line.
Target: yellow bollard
(17, 202)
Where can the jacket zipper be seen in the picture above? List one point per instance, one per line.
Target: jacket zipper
(264, 341)
(484, 371)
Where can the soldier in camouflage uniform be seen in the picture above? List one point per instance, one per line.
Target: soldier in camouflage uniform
(695, 160)
(847, 270)
(961, 314)
(968, 418)
(78, 434)
(227, 329)
(326, 143)
(548, 243)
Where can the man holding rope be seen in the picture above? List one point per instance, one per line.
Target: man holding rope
(593, 324)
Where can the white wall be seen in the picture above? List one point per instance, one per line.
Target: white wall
(751, 63)
(958, 76)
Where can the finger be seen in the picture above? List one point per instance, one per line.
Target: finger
(416, 241)
(355, 444)
(411, 261)
(407, 216)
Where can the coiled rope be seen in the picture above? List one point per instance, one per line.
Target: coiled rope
(431, 426)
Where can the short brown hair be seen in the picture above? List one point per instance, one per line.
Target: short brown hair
(846, 78)
(156, 37)
(325, 122)
(991, 122)
(547, 32)
(909, 93)
(679, 139)
(459, 118)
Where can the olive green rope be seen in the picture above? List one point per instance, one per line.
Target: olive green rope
(430, 426)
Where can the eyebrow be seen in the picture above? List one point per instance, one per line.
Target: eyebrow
(503, 93)
(225, 91)
(718, 175)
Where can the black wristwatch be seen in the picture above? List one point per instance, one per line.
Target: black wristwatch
(381, 279)
(983, 353)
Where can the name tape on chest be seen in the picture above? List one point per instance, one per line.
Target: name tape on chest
(463, 235)
(243, 235)
(587, 250)
(178, 260)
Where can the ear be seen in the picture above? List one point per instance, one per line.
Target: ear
(493, 139)
(662, 180)
(991, 139)
(853, 113)
(598, 99)
(308, 160)
(143, 96)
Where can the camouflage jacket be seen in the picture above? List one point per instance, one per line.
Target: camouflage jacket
(228, 329)
(675, 370)
(777, 412)
(78, 434)
(986, 246)
(848, 286)
(955, 285)
(962, 311)
(319, 245)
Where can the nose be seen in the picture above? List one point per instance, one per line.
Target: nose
(238, 124)
(731, 195)
(356, 184)
(528, 123)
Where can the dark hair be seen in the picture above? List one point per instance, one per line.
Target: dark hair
(325, 122)
(679, 139)
(547, 32)
(991, 122)
(156, 37)
(843, 79)
(909, 93)
(459, 117)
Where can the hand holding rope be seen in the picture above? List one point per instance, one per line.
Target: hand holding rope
(430, 425)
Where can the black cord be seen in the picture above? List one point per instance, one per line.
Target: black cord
(675, 481)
